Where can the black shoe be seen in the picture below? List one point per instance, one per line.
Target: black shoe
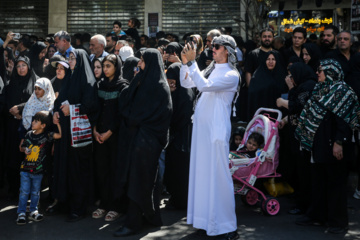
(228, 236)
(52, 210)
(200, 232)
(296, 211)
(306, 221)
(337, 230)
(73, 217)
(124, 231)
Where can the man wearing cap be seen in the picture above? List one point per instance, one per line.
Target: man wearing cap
(62, 43)
(211, 202)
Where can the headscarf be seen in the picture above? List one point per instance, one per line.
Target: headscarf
(100, 59)
(266, 85)
(128, 69)
(34, 104)
(36, 63)
(56, 82)
(315, 54)
(20, 88)
(126, 52)
(332, 95)
(147, 100)
(78, 87)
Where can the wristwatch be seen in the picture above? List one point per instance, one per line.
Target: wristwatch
(190, 63)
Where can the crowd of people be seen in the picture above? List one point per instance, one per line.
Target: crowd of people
(155, 114)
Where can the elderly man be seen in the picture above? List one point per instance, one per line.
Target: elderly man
(63, 43)
(211, 202)
(343, 53)
(119, 45)
(206, 56)
(97, 46)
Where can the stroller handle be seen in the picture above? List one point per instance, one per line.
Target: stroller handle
(279, 114)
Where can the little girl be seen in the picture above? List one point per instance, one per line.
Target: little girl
(254, 142)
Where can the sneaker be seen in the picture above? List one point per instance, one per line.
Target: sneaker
(356, 194)
(36, 216)
(21, 220)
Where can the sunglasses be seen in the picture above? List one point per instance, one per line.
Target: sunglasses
(216, 46)
(319, 69)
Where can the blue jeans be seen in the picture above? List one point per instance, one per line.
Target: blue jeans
(29, 184)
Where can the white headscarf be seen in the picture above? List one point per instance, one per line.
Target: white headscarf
(34, 104)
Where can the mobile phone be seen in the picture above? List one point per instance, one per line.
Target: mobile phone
(136, 69)
(16, 36)
(192, 41)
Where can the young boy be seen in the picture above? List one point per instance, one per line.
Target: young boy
(254, 142)
(35, 145)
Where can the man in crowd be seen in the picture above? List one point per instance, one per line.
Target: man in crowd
(63, 43)
(111, 40)
(211, 204)
(97, 47)
(329, 41)
(343, 53)
(119, 45)
(298, 39)
(143, 40)
(24, 45)
(206, 56)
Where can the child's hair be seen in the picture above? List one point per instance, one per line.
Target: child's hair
(239, 131)
(43, 117)
(257, 137)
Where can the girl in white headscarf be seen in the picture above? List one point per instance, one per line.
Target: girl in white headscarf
(42, 99)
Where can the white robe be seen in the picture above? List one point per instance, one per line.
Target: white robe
(211, 201)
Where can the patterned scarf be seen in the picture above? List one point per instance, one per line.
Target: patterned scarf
(332, 95)
(34, 104)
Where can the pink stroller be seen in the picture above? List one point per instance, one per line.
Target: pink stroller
(245, 171)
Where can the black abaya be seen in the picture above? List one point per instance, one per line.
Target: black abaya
(146, 109)
(177, 158)
(72, 165)
(128, 69)
(266, 86)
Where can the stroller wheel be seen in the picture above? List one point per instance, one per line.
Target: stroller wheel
(250, 198)
(270, 206)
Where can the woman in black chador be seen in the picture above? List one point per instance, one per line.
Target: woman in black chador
(145, 107)
(177, 158)
(17, 93)
(72, 164)
(37, 56)
(128, 69)
(266, 85)
(106, 136)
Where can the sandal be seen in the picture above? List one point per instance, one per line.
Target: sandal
(111, 216)
(21, 220)
(98, 213)
(36, 216)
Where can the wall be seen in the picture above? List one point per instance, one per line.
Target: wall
(57, 15)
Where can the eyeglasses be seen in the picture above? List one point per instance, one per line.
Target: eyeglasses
(216, 46)
(319, 69)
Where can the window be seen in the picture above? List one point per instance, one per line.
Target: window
(98, 16)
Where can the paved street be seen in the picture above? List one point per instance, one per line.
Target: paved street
(252, 224)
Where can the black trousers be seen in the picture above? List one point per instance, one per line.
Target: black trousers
(78, 178)
(104, 169)
(329, 195)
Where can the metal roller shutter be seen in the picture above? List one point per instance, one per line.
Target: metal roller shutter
(24, 16)
(199, 16)
(98, 16)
